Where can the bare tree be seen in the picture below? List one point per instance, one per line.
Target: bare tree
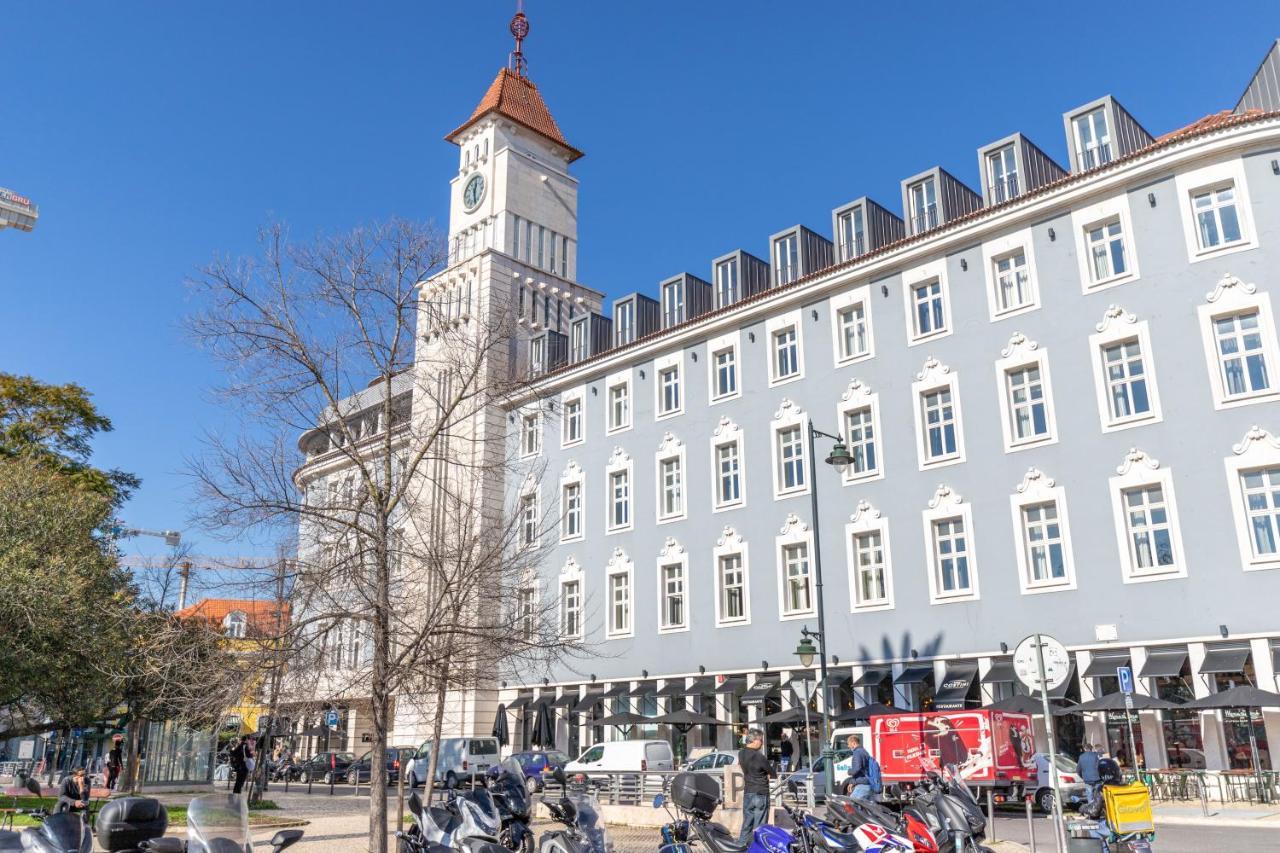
(401, 492)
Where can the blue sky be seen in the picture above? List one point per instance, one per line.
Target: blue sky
(155, 135)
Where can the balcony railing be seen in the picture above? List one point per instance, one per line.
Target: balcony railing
(925, 219)
(852, 248)
(1099, 155)
(1003, 189)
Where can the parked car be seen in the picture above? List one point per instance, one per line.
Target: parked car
(624, 756)
(1075, 793)
(538, 765)
(325, 767)
(361, 769)
(460, 758)
(797, 781)
(713, 760)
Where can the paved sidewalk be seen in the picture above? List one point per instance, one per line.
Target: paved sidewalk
(1220, 814)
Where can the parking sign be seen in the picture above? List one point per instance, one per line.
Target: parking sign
(1125, 675)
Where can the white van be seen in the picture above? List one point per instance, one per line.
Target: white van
(839, 742)
(622, 756)
(460, 758)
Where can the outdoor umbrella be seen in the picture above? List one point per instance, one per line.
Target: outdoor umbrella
(544, 729)
(1245, 697)
(1116, 702)
(500, 726)
(866, 712)
(790, 716)
(625, 720)
(1022, 704)
(685, 720)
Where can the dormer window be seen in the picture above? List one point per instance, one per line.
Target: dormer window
(851, 234)
(235, 624)
(786, 259)
(672, 304)
(726, 282)
(1093, 140)
(537, 355)
(626, 320)
(578, 341)
(924, 205)
(1002, 174)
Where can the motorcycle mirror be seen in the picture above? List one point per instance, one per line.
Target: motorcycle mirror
(33, 786)
(558, 775)
(415, 804)
(285, 838)
(659, 801)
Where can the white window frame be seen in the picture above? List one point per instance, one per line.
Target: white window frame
(932, 377)
(867, 519)
(794, 532)
(571, 572)
(944, 505)
(1233, 296)
(530, 495)
(1139, 471)
(789, 415)
(915, 277)
(662, 364)
(1258, 449)
(775, 325)
(1116, 327)
(732, 264)
(856, 397)
(577, 395)
(1019, 355)
(574, 475)
(727, 432)
(792, 267)
(619, 565)
(839, 303)
(1215, 176)
(1003, 247)
(1078, 143)
(621, 378)
(530, 415)
(731, 343)
(619, 461)
(1116, 207)
(730, 543)
(673, 554)
(671, 449)
(1037, 489)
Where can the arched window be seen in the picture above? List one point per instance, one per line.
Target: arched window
(235, 624)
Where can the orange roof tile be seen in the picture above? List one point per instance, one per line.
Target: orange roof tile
(260, 614)
(516, 98)
(1213, 121)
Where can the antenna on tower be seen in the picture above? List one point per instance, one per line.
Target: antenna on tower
(519, 29)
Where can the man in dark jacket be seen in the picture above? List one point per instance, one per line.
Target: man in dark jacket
(859, 782)
(756, 772)
(74, 795)
(240, 755)
(115, 761)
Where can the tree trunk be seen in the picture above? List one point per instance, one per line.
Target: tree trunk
(134, 783)
(380, 698)
(437, 726)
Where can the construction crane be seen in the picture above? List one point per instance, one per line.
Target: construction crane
(120, 530)
(208, 564)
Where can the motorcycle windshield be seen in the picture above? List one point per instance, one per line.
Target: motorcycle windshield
(588, 820)
(218, 823)
(510, 781)
(64, 831)
(479, 815)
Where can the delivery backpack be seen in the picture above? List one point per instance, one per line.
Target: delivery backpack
(873, 775)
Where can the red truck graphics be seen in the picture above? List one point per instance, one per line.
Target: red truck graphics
(983, 746)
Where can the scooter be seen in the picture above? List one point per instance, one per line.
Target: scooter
(506, 783)
(468, 822)
(694, 825)
(947, 806)
(816, 835)
(59, 832)
(218, 823)
(576, 809)
(908, 824)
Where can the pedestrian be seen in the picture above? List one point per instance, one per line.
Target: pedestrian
(240, 755)
(756, 773)
(787, 751)
(1087, 765)
(115, 761)
(74, 795)
(858, 783)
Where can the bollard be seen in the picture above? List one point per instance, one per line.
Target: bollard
(1031, 826)
(333, 780)
(991, 815)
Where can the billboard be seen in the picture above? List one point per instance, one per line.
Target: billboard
(984, 746)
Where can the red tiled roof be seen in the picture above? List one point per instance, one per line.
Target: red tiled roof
(1201, 127)
(259, 614)
(516, 98)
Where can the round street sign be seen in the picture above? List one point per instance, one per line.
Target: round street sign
(1057, 662)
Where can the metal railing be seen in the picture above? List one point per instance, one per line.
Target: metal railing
(924, 220)
(1099, 155)
(1222, 786)
(1004, 189)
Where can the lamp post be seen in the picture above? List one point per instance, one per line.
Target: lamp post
(839, 459)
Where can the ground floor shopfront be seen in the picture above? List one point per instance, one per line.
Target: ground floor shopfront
(1175, 670)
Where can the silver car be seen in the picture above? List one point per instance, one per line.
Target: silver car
(797, 781)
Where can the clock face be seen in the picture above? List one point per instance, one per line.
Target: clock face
(473, 191)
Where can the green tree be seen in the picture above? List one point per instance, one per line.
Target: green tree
(56, 424)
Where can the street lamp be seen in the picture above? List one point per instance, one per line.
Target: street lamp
(839, 458)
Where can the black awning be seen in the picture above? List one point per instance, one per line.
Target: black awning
(674, 687)
(732, 684)
(1060, 692)
(588, 702)
(705, 684)
(954, 689)
(871, 678)
(1105, 663)
(644, 688)
(1275, 658)
(565, 700)
(1163, 663)
(519, 702)
(765, 686)
(1001, 672)
(914, 675)
(836, 676)
(1225, 659)
(622, 688)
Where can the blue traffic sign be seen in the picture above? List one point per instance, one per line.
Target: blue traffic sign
(77, 733)
(331, 719)
(1125, 675)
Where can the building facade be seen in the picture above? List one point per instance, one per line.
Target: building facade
(1059, 392)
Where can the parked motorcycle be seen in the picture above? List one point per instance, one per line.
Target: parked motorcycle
(218, 823)
(468, 822)
(908, 824)
(59, 832)
(507, 785)
(953, 815)
(695, 797)
(577, 810)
